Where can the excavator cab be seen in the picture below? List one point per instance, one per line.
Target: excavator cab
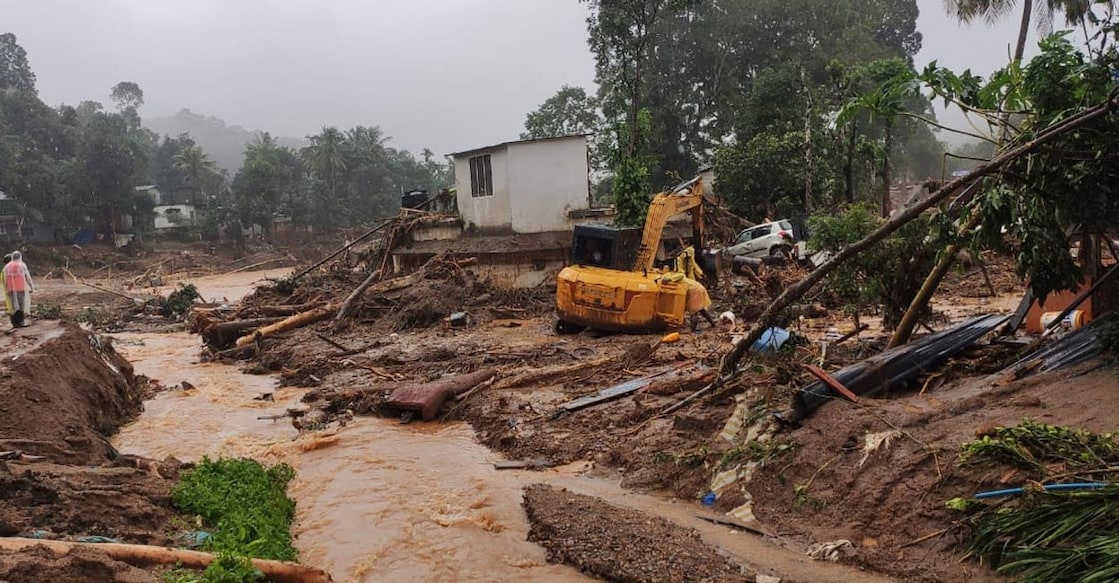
(606, 246)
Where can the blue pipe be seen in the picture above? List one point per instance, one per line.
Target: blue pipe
(1048, 488)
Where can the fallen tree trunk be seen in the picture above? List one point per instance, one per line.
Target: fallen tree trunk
(237, 326)
(221, 335)
(793, 293)
(147, 556)
(290, 323)
(285, 310)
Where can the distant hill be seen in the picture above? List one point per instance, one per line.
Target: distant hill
(224, 143)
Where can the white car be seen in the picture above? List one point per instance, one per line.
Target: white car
(774, 238)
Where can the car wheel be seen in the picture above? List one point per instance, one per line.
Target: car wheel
(781, 250)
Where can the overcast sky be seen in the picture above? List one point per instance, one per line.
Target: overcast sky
(443, 74)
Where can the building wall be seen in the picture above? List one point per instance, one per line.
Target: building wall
(163, 222)
(547, 179)
(486, 213)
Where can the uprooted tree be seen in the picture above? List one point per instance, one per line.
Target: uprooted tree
(1043, 142)
(1061, 171)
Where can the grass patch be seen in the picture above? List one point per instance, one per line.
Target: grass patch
(247, 508)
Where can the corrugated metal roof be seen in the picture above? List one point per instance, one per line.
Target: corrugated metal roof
(507, 144)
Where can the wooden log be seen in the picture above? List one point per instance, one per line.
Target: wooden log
(289, 323)
(285, 310)
(237, 326)
(147, 556)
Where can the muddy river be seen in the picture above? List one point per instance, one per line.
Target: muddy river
(380, 501)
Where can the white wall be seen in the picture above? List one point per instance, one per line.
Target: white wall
(485, 212)
(547, 179)
(186, 211)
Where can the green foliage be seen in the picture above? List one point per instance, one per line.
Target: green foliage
(570, 111)
(1037, 446)
(1072, 181)
(80, 166)
(1107, 330)
(46, 311)
(226, 568)
(1044, 536)
(766, 176)
(15, 72)
(632, 187)
(883, 274)
(245, 502)
(720, 70)
(180, 301)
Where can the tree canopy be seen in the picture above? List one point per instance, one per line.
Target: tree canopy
(82, 166)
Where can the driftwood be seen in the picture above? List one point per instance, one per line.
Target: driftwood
(343, 249)
(289, 323)
(285, 310)
(399, 283)
(147, 556)
(221, 335)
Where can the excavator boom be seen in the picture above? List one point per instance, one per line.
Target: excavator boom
(686, 196)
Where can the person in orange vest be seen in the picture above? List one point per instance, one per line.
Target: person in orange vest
(17, 282)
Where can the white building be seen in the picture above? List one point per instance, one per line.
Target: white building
(169, 216)
(530, 186)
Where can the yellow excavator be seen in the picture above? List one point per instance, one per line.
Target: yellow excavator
(612, 283)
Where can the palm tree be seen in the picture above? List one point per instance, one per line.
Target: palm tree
(327, 155)
(195, 165)
(1075, 11)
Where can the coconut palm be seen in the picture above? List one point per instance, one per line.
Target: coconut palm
(1074, 11)
(195, 165)
(327, 155)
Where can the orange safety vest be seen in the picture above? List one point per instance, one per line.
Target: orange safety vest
(14, 278)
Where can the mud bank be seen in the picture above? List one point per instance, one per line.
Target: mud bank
(619, 544)
(63, 391)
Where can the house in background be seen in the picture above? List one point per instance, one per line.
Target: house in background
(517, 205)
(20, 223)
(175, 209)
(530, 186)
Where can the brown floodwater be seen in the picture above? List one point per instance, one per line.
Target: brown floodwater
(380, 501)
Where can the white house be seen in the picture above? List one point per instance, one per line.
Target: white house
(530, 186)
(169, 213)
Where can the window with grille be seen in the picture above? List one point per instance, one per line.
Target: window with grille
(481, 176)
